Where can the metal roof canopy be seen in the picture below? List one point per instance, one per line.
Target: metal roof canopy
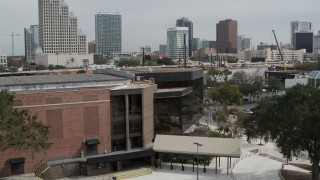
(222, 147)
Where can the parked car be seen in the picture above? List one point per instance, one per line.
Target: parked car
(247, 111)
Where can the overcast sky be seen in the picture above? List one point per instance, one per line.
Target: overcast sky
(144, 22)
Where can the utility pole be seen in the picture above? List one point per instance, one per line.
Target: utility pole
(143, 56)
(185, 49)
(12, 36)
(179, 58)
(198, 144)
(217, 58)
(12, 39)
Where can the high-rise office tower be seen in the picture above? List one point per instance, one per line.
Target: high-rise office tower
(162, 49)
(297, 26)
(316, 44)
(185, 22)
(146, 50)
(303, 40)
(205, 43)
(108, 33)
(31, 42)
(212, 44)
(227, 32)
(92, 47)
(243, 43)
(195, 44)
(177, 42)
(58, 29)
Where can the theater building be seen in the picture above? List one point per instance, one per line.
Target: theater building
(90, 117)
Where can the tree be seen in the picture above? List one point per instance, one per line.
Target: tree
(307, 66)
(41, 67)
(225, 73)
(20, 130)
(3, 69)
(255, 125)
(128, 62)
(226, 94)
(164, 61)
(293, 122)
(239, 77)
(274, 83)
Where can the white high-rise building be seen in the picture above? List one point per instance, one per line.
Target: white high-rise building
(3, 60)
(297, 26)
(108, 33)
(176, 37)
(31, 42)
(58, 29)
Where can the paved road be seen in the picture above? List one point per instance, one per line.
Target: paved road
(257, 167)
(247, 106)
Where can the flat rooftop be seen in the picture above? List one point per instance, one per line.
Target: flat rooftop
(138, 70)
(223, 147)
(51, 79)
(49, 82)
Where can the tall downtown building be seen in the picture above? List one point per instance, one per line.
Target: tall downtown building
(108, 33)
(297, 26)
(58, 29)
(185, 22)
(227, 32)
(31, 41)
(316, 44)
(243, 43)
(177, 42)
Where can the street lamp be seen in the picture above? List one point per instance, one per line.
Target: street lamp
(198, 144)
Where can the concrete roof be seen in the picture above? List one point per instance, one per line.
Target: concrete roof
(46, 79)
(224, 147)
(136, 70)
(173, 92)
(38, 82)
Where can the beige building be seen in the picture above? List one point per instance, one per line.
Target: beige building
(3, 60)
(68, 60)
(58, 29)
(203, 53)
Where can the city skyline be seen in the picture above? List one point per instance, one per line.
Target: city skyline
(145, 25)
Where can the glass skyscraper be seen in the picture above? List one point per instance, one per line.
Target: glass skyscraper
(185, 22)
(31, 42)
(175, 42)
(108, 33)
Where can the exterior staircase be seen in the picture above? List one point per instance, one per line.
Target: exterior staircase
(134, 173)
(43, 168)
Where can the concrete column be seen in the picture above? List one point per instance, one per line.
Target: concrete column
(153, 160)
(119, 165)
(127, 122)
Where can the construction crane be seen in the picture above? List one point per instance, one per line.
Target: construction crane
(12, 37)
(283, 63)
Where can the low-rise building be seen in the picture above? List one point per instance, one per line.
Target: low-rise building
(68, 60)
(87, 114)
(274, 55)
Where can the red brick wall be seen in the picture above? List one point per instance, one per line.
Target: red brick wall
(70, 141)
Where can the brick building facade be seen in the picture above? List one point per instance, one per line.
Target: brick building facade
(74, 116)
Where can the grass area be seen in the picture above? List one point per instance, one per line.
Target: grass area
(294, 175)
(302, 166)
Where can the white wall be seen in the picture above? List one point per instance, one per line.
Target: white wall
(63, 59)
(292, 82)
